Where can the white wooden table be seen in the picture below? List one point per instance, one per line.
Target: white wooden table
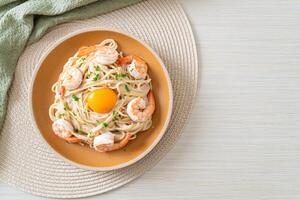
(243, 139)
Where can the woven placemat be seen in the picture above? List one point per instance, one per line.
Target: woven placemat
(25, 160)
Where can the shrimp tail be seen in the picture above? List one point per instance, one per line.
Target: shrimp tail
(73, 139)
(151, 104)
(124, 60)
(151, 98)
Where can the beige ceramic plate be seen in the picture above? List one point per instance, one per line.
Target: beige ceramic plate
(47, 73)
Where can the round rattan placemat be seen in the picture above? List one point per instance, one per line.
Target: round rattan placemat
(25, 160)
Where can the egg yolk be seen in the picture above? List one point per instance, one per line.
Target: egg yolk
(102, 100)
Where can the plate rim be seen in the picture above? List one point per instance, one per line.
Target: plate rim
(162, 131)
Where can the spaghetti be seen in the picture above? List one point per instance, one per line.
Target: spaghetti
(102, 98)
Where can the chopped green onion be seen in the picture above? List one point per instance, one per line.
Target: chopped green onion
(96, 77)
(127, 88)
(75, 98)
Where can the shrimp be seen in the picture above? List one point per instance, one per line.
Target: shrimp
(140, 111)
(107, 142)
(104, 138)
(64, 130)
(106, 52)
(136, 66)
(106, 56)
(72, 78)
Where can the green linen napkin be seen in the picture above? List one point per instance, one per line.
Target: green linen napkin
(23, 22)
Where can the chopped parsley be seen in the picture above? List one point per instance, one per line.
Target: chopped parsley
(75, 98)
(98, 68)
(89, 75)
(104, 124)
(66, 107)
(90, 134)
(120, 76)
(127, 88)
(81, 61)
(96, 77)
(115, 116)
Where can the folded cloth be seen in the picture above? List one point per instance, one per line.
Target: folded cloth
(23, 22)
